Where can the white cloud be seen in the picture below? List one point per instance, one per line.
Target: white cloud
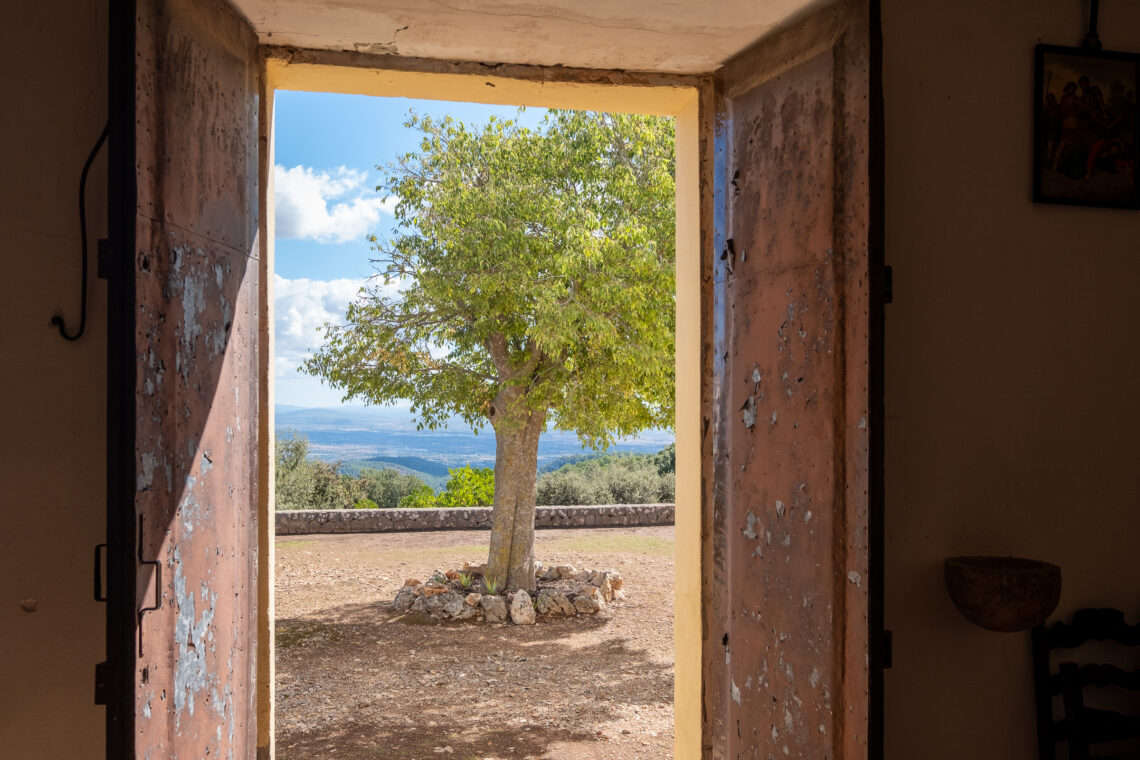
(305, 207)
(301, 308)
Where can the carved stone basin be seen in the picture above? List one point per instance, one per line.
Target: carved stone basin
(1004, 594)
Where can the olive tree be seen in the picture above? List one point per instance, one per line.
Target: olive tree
(535, 286)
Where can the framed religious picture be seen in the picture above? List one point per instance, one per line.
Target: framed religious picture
(1087, 127)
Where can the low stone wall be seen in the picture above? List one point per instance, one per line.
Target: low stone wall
(296, 522)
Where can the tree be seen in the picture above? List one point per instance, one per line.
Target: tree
(535, 277)
(304, 483)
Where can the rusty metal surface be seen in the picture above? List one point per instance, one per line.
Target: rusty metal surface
(196, 279)
(786, 668)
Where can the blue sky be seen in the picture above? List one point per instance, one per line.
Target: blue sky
(327, 150)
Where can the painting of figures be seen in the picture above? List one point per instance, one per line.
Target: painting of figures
(1087, 127)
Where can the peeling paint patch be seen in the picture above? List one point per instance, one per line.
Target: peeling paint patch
(748, 412)
(148, 461)
(855, 578)
(188, 509)
(749, 530)
(735, 693)
(190, 631)
(193, 300)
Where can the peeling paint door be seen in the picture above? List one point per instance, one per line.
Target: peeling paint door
(788, 671)
(192, 284)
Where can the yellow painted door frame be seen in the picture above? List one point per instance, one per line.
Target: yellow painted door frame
(678, 96)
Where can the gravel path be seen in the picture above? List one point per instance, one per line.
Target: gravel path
(354, 683)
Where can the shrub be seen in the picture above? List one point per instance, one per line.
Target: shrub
(304, 483)
(421, 498)
(610, 479)
(365, 504)
(388, 487)
(468, 487)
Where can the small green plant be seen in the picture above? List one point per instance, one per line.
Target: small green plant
(491, 585)
(365, 504)
(439, 577)
(465, 580)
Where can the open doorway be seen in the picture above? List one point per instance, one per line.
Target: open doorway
(785, 421)
(679, 103)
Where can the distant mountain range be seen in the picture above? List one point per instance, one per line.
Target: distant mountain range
(387, 436)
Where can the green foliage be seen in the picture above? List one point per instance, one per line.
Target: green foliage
(465, 580)
(610, 479)
(491, 585)
(306, 483)
(468, 487)
(388, 487)
(541, 261)
(666, 460)
(421, 498)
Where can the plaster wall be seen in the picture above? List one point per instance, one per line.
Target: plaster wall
(52, 483)
(1012, 404)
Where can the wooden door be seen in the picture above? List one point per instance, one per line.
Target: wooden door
(789, 610)
(184, 400)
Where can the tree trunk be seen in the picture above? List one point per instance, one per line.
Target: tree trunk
(511, 559)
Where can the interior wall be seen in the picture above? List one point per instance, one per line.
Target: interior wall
(1012, 404)
(52, 484)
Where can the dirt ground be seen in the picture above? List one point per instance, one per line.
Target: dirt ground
(352, 682)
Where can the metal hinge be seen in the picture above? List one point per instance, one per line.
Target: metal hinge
(157, 565)
(101, 683)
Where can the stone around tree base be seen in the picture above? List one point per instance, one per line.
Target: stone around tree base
(522, 610)
(561, 591)
(494, 608)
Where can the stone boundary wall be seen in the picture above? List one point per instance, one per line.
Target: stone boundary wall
(291, 522)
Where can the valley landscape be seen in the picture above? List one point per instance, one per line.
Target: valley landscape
(386, 437)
